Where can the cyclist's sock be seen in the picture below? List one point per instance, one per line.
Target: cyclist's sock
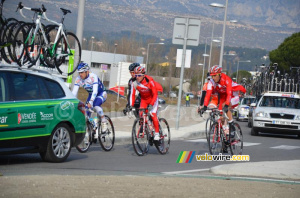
(230, 121)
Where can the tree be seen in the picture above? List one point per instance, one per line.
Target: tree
(288, 53)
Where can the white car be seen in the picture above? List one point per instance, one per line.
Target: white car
(277, 112)
(242, 111)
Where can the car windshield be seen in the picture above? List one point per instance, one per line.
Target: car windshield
(247, 101)
(284, 102)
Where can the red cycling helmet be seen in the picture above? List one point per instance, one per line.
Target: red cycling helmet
(215, 70)
(139, 69)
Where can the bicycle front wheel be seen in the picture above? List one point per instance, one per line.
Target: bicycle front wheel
(107, 138)
(236, 143)
(207, 127)
(163, 144)
(140, 140)
(215, 142)
(67, 46)
(86, 142)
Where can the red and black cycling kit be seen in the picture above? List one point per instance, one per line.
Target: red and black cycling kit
(148, 93)
(227, 90)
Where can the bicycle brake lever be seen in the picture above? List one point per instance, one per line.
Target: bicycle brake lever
(20, 6)
(43, 8)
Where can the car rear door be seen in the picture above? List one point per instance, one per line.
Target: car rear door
(8, 111)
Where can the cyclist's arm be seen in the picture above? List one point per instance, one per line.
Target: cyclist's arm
(207, 97)
(202, 97)
(76, 87)
(129, 92)
(132, 94)
(154, 93)
(228, 83)
(75, 90)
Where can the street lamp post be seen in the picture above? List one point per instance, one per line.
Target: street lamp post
(203, 65)
(92, 49)
(148, 52)
(237, 69)
(224, 27)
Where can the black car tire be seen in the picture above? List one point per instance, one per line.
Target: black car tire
(59, 140)
(254, 131)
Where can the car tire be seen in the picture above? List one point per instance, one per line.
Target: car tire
(59, 144)
(254, 131)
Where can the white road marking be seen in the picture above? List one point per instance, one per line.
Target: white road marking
(204, 141)
(286, 147)
(186, 171)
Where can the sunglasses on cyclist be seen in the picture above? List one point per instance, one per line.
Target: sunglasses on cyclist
(139, 75)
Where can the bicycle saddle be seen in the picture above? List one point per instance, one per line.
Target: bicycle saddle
(65, 11)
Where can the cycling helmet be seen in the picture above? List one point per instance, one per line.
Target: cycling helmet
(133, 65)
(215, 70)
(82, 67)
(139, 69)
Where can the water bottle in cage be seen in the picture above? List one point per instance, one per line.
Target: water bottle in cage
(95, 122)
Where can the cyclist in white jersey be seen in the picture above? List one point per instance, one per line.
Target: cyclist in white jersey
(97, 94)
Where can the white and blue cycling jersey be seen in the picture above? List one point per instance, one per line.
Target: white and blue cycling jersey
(93, 86)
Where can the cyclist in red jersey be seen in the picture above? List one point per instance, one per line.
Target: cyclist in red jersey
(227, 89)
(149, 97)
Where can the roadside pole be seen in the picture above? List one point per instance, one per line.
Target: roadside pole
(79, 33)
(186, 32)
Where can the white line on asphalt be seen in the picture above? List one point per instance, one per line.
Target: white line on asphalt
(250, 144)
(204, 141)
(186, 171)
(285, 147)
(196, 140)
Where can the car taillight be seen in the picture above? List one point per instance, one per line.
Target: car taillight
(81, 107)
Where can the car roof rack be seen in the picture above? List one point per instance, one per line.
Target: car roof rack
(44, 71)
(281, 92)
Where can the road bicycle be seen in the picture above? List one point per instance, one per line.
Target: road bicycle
(143, 134)
(93, 125)
(218, 140)
(54, 51)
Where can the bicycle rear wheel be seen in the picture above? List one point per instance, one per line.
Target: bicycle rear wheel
(236, 143)
(106, 138)
(64, 48)
(140, 141)
(86, 142)
(163, 144)
(215, 142)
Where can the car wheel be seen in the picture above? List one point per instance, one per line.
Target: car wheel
(254, 131)
(59, 144)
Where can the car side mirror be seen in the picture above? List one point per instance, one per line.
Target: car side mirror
(253, 105)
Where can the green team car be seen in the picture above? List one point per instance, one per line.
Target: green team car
(38, 113)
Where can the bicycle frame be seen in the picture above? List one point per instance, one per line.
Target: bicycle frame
(146, 123)
(39, 26)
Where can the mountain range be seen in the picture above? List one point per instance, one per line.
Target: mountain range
(260, 23)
